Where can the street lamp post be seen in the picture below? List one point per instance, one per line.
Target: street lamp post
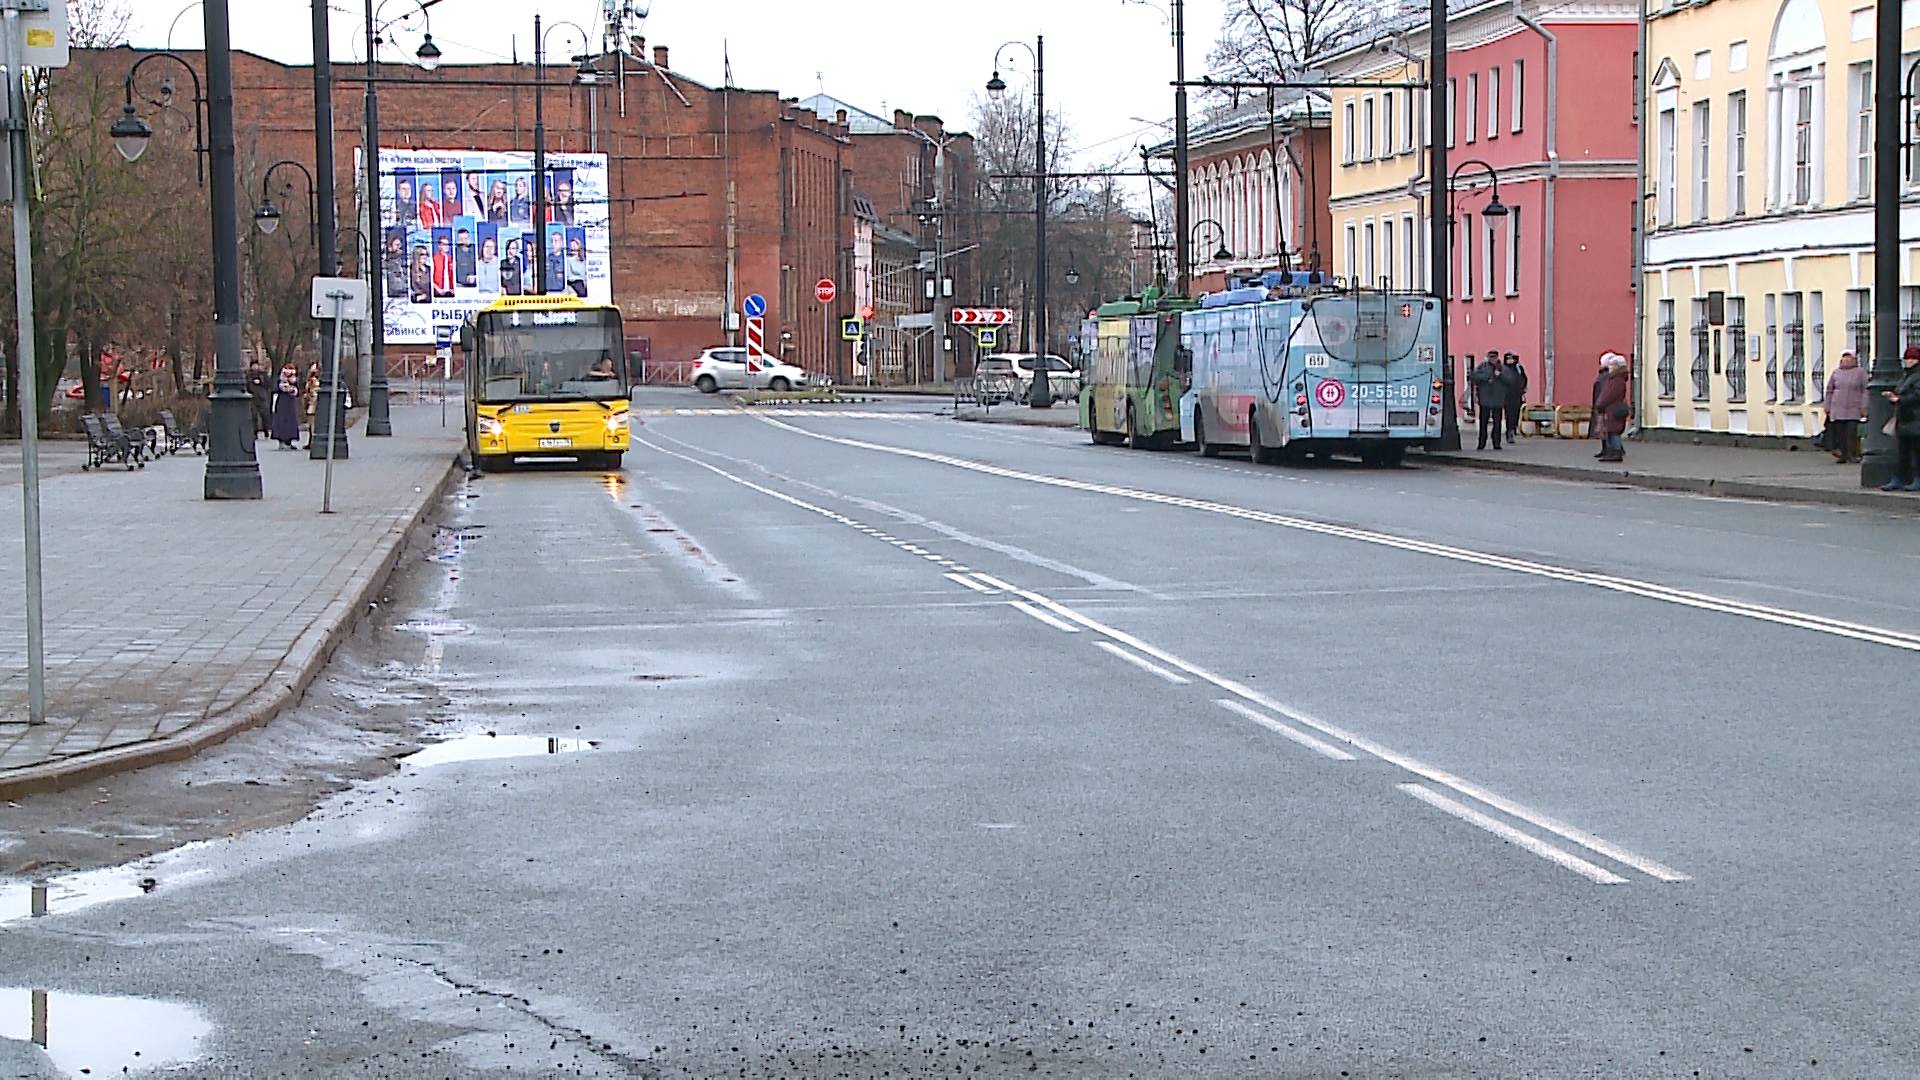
(232, 471)
(379, 417)
(1041, 393)
(267, 217)
(585, 75)
(1877, 464)
(1223, 254)
(328, 442)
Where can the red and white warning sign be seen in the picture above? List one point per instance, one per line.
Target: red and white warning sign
(756, 343)
(981, 316)
(1331, 393)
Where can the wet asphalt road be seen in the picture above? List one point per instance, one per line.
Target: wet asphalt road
(877, 753)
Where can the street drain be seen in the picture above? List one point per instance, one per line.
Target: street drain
(490, 747)
(93, 1035)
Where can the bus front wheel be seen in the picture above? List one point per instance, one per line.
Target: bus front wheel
(1207, 449)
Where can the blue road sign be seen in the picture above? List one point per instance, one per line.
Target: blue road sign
(989, 336)
(754, 305)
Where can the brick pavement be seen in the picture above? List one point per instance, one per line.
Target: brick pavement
(171, 619)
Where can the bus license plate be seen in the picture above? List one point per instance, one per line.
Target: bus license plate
(555, 444)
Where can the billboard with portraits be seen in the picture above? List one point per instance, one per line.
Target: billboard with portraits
(457, 232)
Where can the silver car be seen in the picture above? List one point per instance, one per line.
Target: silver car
(727, 369)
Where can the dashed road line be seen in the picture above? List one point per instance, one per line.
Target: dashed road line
(1058, 624)
(1552, 853)
(1143, 663)
(1324, 749)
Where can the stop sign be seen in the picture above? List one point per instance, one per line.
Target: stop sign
(823, 290)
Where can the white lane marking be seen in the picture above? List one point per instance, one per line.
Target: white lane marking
(1324, 749)
(1558, 855)
(1143, 664)
(1057, 624)
(1646, 589)
(436, 653)
(963, 579)
(1386, 753)
(1035, 603)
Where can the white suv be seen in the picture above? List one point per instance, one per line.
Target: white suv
(1062, 378)
(727, 369)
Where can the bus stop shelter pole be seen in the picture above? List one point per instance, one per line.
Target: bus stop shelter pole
(16, 120)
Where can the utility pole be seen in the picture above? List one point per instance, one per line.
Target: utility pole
(1041, 392)
(329, 442)
(1877, 465)
(539, 161)
(379, 418)
(1440, 222)
(232, 470)
(1182, 194)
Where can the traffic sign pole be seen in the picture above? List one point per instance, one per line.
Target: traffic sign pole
(16, 118)
(824, 291)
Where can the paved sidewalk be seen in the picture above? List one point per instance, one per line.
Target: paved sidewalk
(1806, 476)
(173, 621)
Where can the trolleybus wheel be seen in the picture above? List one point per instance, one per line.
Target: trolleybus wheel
(1135, 441)
(1256, 453)
(1207, 449)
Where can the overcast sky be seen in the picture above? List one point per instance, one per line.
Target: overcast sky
(1107, 61)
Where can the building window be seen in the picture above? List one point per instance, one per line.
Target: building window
(1803, 149)
(1387, 261)
(1464, 287)
(1817, 323)
(1412, 245)
(1513, 251)
(1793, 372)
(1737, 153)
(1353, 253)
(1912, 166)
(1772, 346)
(1493, 103)
(1472, 118)
(1450, 112)
(1702, 342)
(1860, 132)
(1860, 323)
(1368, 279)
(1367, 145)
(1737, 349)
(1346, 138)
(1406, 121)
(1490, 230)
(1702, 156)
(1664, 370)
(1663, 194)
(1519, 94)
(1387, 145)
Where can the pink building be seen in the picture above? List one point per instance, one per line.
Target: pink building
(1542, 98)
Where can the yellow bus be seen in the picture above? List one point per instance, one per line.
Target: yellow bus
(546, 379)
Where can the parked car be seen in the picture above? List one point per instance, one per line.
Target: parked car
(1063, 378)
(725, 368)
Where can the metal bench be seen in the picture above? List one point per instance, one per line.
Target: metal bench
(140, 441)
(106, 448)
(177, 438)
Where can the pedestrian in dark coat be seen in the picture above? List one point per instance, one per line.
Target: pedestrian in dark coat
(1905, 396)
(1599, 384)
(261, 389)
(286, 408)
(1490, 391)
(1612, 408)
(1846, 399)
(1516, 393)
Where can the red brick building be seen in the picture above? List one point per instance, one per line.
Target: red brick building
(680, 154)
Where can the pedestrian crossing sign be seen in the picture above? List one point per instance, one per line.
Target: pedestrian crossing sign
(989, 336)
(852, 330)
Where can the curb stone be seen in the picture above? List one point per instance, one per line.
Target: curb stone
(285, 688)
(1693, 485)
(1019, 421)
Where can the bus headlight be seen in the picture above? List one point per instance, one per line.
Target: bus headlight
(490, 427)
(617, 424)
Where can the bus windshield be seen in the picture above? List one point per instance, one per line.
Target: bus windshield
(549, 355)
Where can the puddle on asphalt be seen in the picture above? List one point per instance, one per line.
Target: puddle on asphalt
(67, 893)
(487, 747)
(434, 627)
(93, 1035)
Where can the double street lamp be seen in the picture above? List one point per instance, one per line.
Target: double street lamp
(379, 418)
(1040, 395)
(585, 76)
(232, 470)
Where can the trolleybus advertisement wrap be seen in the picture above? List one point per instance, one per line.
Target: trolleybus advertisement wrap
(457, 233)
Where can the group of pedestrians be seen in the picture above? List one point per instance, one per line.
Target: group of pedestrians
(1499, 385)
(1846, 401)
(283, 403)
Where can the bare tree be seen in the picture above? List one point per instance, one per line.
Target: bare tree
(1276, 39)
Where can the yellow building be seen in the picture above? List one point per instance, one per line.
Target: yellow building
(1758, 217)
